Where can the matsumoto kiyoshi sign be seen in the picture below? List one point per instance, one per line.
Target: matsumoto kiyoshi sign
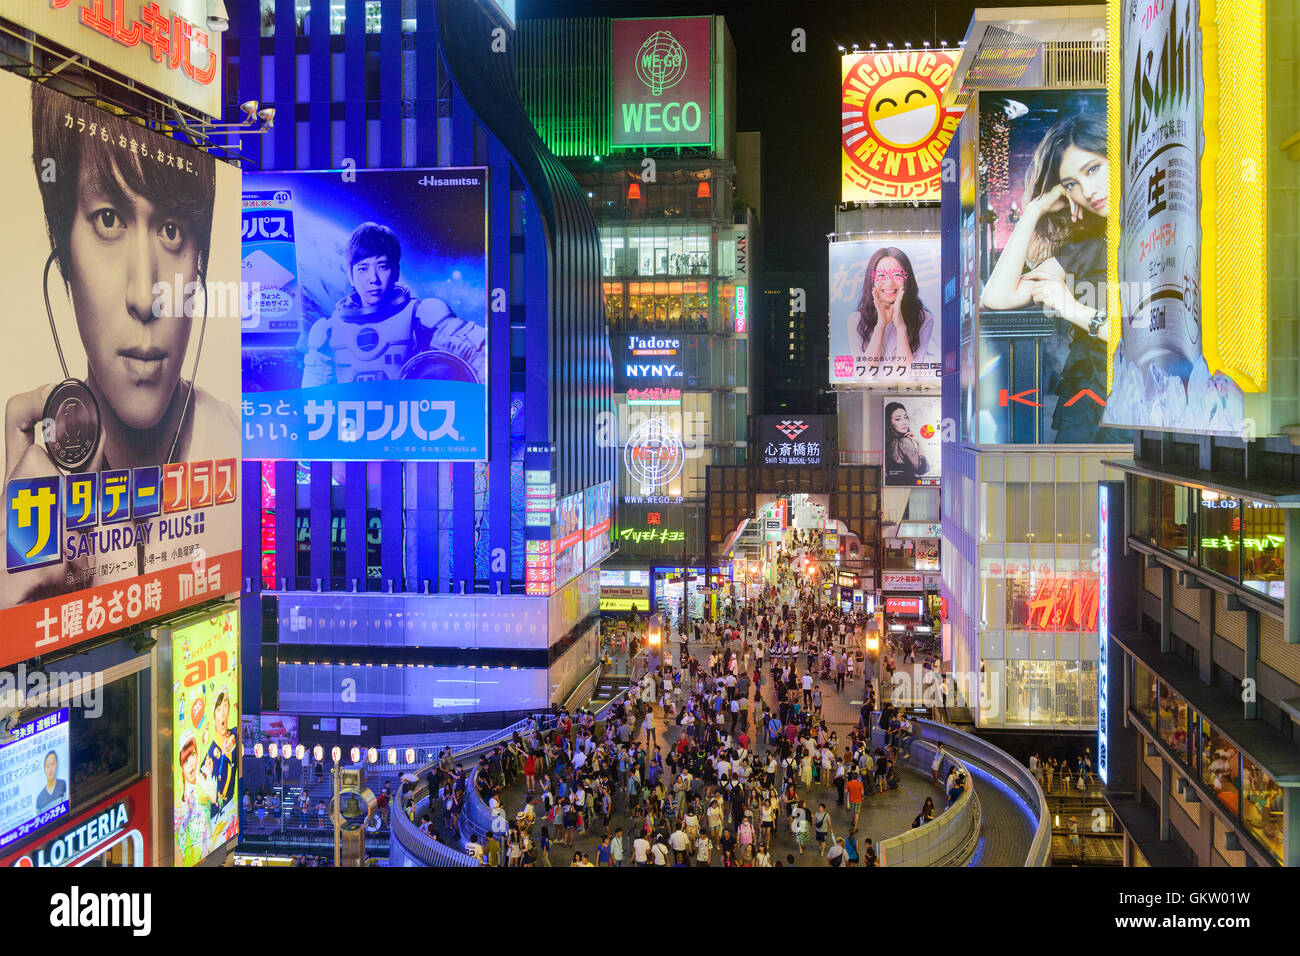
(662, 75)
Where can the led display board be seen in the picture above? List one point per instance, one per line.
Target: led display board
(792, 441)
(377, 348)
(597, 507)
(884, 311)
(894, 128)
(35, 777)
(913, 440)
(662, 72)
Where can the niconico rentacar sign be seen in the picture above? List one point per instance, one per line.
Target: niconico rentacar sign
(893, 124)
(663, 82)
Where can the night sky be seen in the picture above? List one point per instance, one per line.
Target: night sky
(792, 98)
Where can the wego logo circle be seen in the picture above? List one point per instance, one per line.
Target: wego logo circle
(661, 62)
(654, 455)
(893, 125)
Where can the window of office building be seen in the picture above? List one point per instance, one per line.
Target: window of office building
(1220, 766)
(1145, 502)
(1261, 807)
(1173, 722)
(1144, 694)
(1175, 503)
(1220, 530)
(1262, 548)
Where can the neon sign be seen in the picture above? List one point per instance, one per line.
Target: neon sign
(1103, 604)
(1061, 604)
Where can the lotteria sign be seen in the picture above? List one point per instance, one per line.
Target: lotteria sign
(121, 818)
(662, 75)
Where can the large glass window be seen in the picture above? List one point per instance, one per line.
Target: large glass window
(1145, 501)
(1144, 694)
(1018, 511)
(1220, 767)
(1066, 703)
(1261, 807)
(1173, 518)
(1173, 722)
(1220, 529)
(1263, 535)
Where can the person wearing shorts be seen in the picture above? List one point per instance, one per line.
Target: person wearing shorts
(854, 790)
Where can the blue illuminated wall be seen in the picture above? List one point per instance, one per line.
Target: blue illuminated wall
(427, 90)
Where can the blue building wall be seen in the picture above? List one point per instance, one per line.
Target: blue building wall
(427, 93)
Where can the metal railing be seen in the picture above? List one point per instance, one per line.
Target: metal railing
(951, 837)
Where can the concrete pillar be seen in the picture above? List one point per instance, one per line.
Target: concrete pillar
(1250, 706)
(1291, 575)
(1166, 785)
(1166, 609)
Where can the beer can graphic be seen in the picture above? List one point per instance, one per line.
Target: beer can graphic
(270, 301)
(1159, 266)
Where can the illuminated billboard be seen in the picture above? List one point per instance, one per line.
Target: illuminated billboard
(119, 825)
(792, 441)
(205, 735)
(567, 539)
(122, 454)
(894, 128)
(662, 72)
(34, 777)
(884, 311)
(377, 348)
(166, 46)
(913, 440)
(1043, 204)
(1192, 329)
(597, 506)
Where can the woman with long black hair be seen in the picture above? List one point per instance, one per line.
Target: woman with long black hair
(891, 324)
(1057, 250)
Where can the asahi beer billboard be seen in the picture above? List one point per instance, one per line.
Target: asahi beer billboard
(662, 72)
(1160, 376)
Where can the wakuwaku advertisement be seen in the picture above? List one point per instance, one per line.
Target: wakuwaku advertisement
(1044, 198)
(206, 731)
(884, 311)
(366, 338)
(120, 260)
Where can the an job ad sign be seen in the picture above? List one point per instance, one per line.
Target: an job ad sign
(662, 73)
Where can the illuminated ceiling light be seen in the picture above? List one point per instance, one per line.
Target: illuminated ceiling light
(840, 47)
(703, 192)
(267, 116)
(633, 191)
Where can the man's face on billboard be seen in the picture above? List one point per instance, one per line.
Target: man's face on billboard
(121, 245)
(372, 277)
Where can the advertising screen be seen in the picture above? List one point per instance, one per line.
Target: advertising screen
(119, 826)
(1044, 198)
(377, 347)
(645, 362)
(597, 511)
(567, 538)
(122, 452)
(1160, 375)
(792, 441)
(912, 440)
(884, 311)
(894, 129)
(662, 72)
(34, 777)
(205, 735)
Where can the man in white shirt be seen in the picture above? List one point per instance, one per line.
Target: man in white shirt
(660, 853)
(641, 851)
(679, 842)
(807, 689)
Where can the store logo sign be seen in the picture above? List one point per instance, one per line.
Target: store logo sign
(792, 429)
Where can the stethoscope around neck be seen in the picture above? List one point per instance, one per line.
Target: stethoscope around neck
(71, 386)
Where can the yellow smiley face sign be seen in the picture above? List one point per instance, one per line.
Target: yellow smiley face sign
(893, 125)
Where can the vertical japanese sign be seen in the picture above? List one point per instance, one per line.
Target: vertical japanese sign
(122, 463)
(389, 304)
(662, 73)
(894, 128)
(205, 734)
(1103, 627)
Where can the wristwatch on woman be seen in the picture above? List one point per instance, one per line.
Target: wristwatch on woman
(1096, 322)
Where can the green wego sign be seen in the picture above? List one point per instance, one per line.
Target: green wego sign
(662, 76)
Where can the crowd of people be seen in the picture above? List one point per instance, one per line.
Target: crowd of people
(749, 766)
